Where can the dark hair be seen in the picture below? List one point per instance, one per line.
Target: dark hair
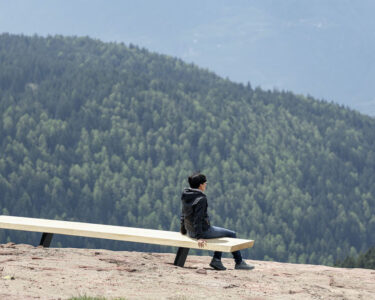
(196, 180)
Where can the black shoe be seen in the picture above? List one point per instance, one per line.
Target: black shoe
(243, 266)
(217, 264)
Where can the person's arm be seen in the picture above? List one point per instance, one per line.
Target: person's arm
(182, 227)
(199, 215)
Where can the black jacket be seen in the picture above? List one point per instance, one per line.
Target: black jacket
(194, 216)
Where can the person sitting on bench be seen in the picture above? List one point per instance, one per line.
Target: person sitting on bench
(196, 223)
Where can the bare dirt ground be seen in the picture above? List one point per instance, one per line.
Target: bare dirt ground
(28, 272)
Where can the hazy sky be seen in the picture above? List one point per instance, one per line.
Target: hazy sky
(324, 48)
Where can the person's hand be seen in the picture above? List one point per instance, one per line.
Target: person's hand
(183, 230)
(202, 243)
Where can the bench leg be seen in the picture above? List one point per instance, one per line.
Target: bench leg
(181, 255)
(46, 239)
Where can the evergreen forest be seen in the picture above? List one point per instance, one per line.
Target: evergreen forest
(364, 260)
(108, 133)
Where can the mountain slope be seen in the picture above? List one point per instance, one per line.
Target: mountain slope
(105, 133)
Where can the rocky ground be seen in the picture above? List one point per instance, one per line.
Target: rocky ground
(28, 272)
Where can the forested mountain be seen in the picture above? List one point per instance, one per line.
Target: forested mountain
(108, 133)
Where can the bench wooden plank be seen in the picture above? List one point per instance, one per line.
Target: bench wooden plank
(130, 234)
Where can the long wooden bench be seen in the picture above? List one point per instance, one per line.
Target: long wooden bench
(130, 234)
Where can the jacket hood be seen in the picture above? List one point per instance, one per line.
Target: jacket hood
(189, 194)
